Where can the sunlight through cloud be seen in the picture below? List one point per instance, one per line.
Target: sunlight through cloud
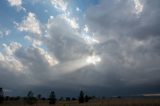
(94, 59)
(138, 6)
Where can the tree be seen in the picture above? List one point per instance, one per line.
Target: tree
(73, 98)
(30, 98)
(52, 98)
(86, 98)
(39, 96)
(61, 99)
(68, 98)
(81, 97)
(1, 95)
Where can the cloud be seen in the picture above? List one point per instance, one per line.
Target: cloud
(111, 21)
(128, 43)
(60, 4)
(73, 21)
(63, 40)
(25, 64)
(8, 60)
(77, 9)
(4, 32)
(15, 2)
(30, 24)
(123, 39)
(138, 6)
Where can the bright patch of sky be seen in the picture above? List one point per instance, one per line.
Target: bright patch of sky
(138, 6)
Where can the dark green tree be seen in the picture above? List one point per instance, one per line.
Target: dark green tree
(1, 95)
(39, 96)
(73, 98)
(86, 98)
(81, 97)
(30, 98)
(52, 98)
(68, 98)
(61, 99)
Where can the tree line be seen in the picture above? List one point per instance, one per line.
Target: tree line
(31, 99)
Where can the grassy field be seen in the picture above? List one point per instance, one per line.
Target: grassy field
(105, 102)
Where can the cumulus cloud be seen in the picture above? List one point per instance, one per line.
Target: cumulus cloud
(138, 6)
(30, 63)
(4, 32)
(60, 4)
(126, 47)
(77, 9)
(8, 60)
(63, 40)
(15, 2)
(30, 24)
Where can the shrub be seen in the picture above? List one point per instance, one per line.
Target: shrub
(30, 98)
(81, 97)
(52, 98)
(1, 96)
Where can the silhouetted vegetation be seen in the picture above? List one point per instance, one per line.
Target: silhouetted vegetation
(1, 95)
(81, 97)
(72, 101)
(52, 98)
(43, 98)
(39, 96)
(68, 98)
(61, 99)
(30, 98)
(86, 98)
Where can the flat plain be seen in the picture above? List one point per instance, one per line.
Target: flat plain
(96, 102)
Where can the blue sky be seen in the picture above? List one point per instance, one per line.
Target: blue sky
(94, 45)
(43, 11)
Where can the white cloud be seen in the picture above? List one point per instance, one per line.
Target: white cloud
(15, 2)
(60, 4)
(46, 56)
(88, 36)
(8, 60)
(4, 32)
(26, 64)
(72, 21)
(77, 9)
(86, 28)
(93, 59)
(34, 41)
(30, 24)
(138, 6)
(61, 36)
(51, 17)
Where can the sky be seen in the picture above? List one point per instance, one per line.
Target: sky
(103, 47)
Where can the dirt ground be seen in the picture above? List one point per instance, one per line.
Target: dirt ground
(105, 102)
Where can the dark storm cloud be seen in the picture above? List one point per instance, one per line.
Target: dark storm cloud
(120, 17)
(64, 41)
(129, 49)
